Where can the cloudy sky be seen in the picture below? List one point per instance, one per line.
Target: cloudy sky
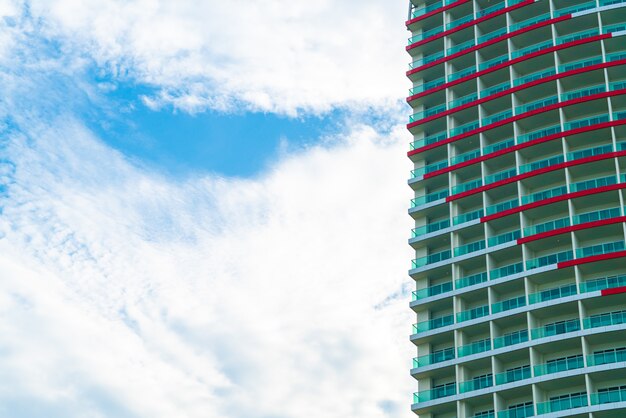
(203, 209)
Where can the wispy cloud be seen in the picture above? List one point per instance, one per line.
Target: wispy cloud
(279, 55)
(127, 293)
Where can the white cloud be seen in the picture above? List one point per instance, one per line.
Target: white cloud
(270, 55)
(208, 298)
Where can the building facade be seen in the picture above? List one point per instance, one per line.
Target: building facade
(519, 152)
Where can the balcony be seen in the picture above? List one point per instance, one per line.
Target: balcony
(436, 393)
(474, 313)
(521, 411)
(610, 395)
(539, 104)
(460, 188)
(552, 294)
(600, 249)
(535, 76)
(543, 195)
(474, 348)
(610, 282)
(529, 22)
(506, 271)
(466, 156)
(563, 403)
(560, 365)
(469, 248)
(430, 228)
(432, 291)
(507, 143)
(557, 328)
(432, 324)
(547, 260)
(546, 227)
(501, 175)
(426, 60)
(501, 207)
(525, 168)
(588, 91)
(427, 113)
(541, 133)
(471, 280)
(531, 49)
(504, 238)
(426, 9)
(433, 358)
(512, 338)
(430, 139)
(467, 217)
(593, 184)
(431, 259)
(582, 123)
(476, 383)
(513, 375)
(426, 34)
(427, 86)
(589, 152)
(605, 319)
(574, 9)
(577, 36)
(459, 130)
(616, 355)
(598, 215)
(509, 304)
(429, 198)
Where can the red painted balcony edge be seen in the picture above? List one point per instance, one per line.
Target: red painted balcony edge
(526, 85)
(572, 228)
(551, 200)
(434, 12)
(613, 291)
(591, 259)
(473, 23)
(537, 172)
(524, 145)
(520, 116)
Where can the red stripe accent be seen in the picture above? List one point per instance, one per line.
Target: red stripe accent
(473, 23)
(546, 202)
(591, 259)
(571, 229)
(536, 173)
(434, 12)
(524, 145)
(526, 85)
(613, 291)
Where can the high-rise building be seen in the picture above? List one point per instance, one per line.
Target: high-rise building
(519, 152)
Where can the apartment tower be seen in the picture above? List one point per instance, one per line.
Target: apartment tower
(519, 152)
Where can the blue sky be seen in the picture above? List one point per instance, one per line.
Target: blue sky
(202, 215)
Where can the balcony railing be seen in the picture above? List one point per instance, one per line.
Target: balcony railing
(500, 207)
(605, 319)
(546, 226)
(471, 280)
(557, 328)
(431, 324)
(539, 104)
(611, 395)
(543, 195)
(460, 188)
(547, 162)
(603, 283)
(560, 365)
(469, 248)
(466, 217)
(432, 258)
(426, 9)
(428, 198)
(433, 358)
(541, 133)
(577, 36)
(562, 403)
(535, 76)
(426, 60)
(529, 22)
(429, 168)
(518, 412)
(589, 152)
(513, 375)
(430, 228)
(435, 393)
(427, 113)
(504, 238)
(616, 355)
(607, 248)
(432, 291)
(511, 338)
(582, 123)
(587, 91)
(597, 215)
(474, 313)
(549, 259)
(575, 9)
(552, 294)
(501, 175)
(506, 271)
(474, 348)
(593, 184)
(477, 383)
(509, 304)
(507, 143)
